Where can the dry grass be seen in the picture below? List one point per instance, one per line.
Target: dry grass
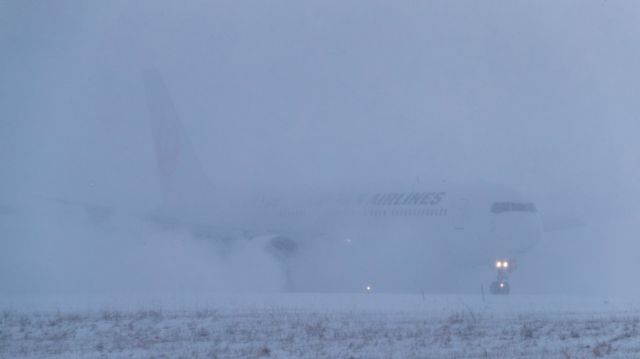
(279, 333)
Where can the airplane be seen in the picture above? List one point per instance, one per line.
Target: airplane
(424, 237)
(398, 238)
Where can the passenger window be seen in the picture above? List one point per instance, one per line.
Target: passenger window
(501, 207)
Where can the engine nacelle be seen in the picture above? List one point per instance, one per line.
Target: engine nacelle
(279, 246)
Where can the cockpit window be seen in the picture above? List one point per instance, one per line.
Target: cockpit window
(501, 207)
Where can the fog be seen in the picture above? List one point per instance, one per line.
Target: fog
(280, 95)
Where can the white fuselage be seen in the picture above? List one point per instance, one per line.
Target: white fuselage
(398, 239)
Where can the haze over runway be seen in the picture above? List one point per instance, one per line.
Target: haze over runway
(296, 98)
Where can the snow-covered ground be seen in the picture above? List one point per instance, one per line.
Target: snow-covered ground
(319, 326)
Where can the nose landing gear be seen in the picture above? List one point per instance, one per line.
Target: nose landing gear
(500, 285)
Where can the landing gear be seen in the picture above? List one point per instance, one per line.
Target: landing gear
(501, 286)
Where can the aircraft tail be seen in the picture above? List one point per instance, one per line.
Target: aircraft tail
(185, 185)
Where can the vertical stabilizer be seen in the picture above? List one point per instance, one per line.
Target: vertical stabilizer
(184, 183)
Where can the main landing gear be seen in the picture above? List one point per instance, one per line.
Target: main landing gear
(501, 286)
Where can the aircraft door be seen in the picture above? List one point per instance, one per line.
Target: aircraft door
(460, 213)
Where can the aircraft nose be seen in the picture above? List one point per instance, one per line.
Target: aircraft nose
(513, 234)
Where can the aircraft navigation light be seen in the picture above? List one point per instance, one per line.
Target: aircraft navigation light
(498, 264)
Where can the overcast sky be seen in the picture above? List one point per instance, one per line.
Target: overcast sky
(541, 96)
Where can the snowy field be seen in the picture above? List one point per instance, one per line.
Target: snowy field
(320, 326)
